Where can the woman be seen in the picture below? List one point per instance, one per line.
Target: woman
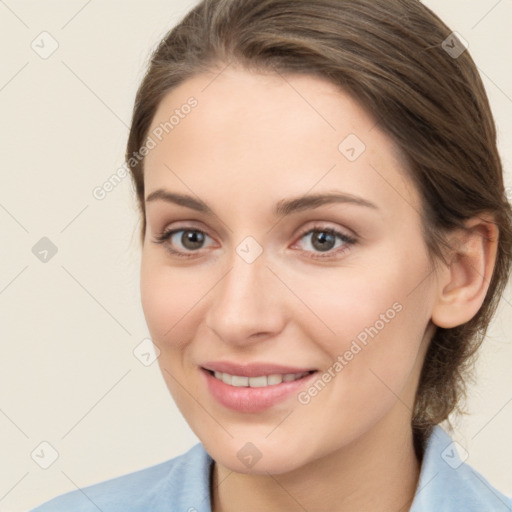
(325, 237)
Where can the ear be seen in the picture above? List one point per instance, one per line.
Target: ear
(464, 281)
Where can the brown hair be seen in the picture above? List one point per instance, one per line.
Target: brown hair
(389, 55)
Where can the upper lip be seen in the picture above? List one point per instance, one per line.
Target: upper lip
(252, 369)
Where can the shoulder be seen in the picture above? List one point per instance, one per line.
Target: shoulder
(447, 484)
(181, 483)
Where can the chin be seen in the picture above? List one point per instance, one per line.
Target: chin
(273, 465)
(256, 458)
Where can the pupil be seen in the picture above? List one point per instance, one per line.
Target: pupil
(324, 240)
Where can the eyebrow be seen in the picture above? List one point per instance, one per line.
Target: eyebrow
(282, 208)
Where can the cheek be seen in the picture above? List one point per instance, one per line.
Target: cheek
(168, 297)
(370, 323)
(350, 305)
(386, 296)
(169, 302)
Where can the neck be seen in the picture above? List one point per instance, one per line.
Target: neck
(374, 473)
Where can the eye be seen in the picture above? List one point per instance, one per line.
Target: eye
(321, 239)
(182, 241)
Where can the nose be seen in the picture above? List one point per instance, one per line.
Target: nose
(247, 305)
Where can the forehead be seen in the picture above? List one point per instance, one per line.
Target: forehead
(253, 131)
(254, 106)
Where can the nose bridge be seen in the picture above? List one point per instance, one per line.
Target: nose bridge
(245, 302)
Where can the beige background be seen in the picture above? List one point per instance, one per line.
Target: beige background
(70, 325)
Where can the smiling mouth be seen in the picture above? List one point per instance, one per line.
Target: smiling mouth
(260, 381)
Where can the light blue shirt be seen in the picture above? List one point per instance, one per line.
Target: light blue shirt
(181, 484)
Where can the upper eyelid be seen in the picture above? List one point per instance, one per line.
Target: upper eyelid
(318, 225)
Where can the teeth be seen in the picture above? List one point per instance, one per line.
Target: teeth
(239, 381)
(260, 381)
(275, 379)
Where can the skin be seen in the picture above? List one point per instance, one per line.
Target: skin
(253, 140)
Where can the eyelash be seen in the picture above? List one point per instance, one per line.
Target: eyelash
(348, 241)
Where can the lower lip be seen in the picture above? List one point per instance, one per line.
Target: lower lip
(247, 399)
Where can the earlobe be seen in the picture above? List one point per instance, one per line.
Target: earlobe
(463, 282)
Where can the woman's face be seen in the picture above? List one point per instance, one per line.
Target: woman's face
(258, 278)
